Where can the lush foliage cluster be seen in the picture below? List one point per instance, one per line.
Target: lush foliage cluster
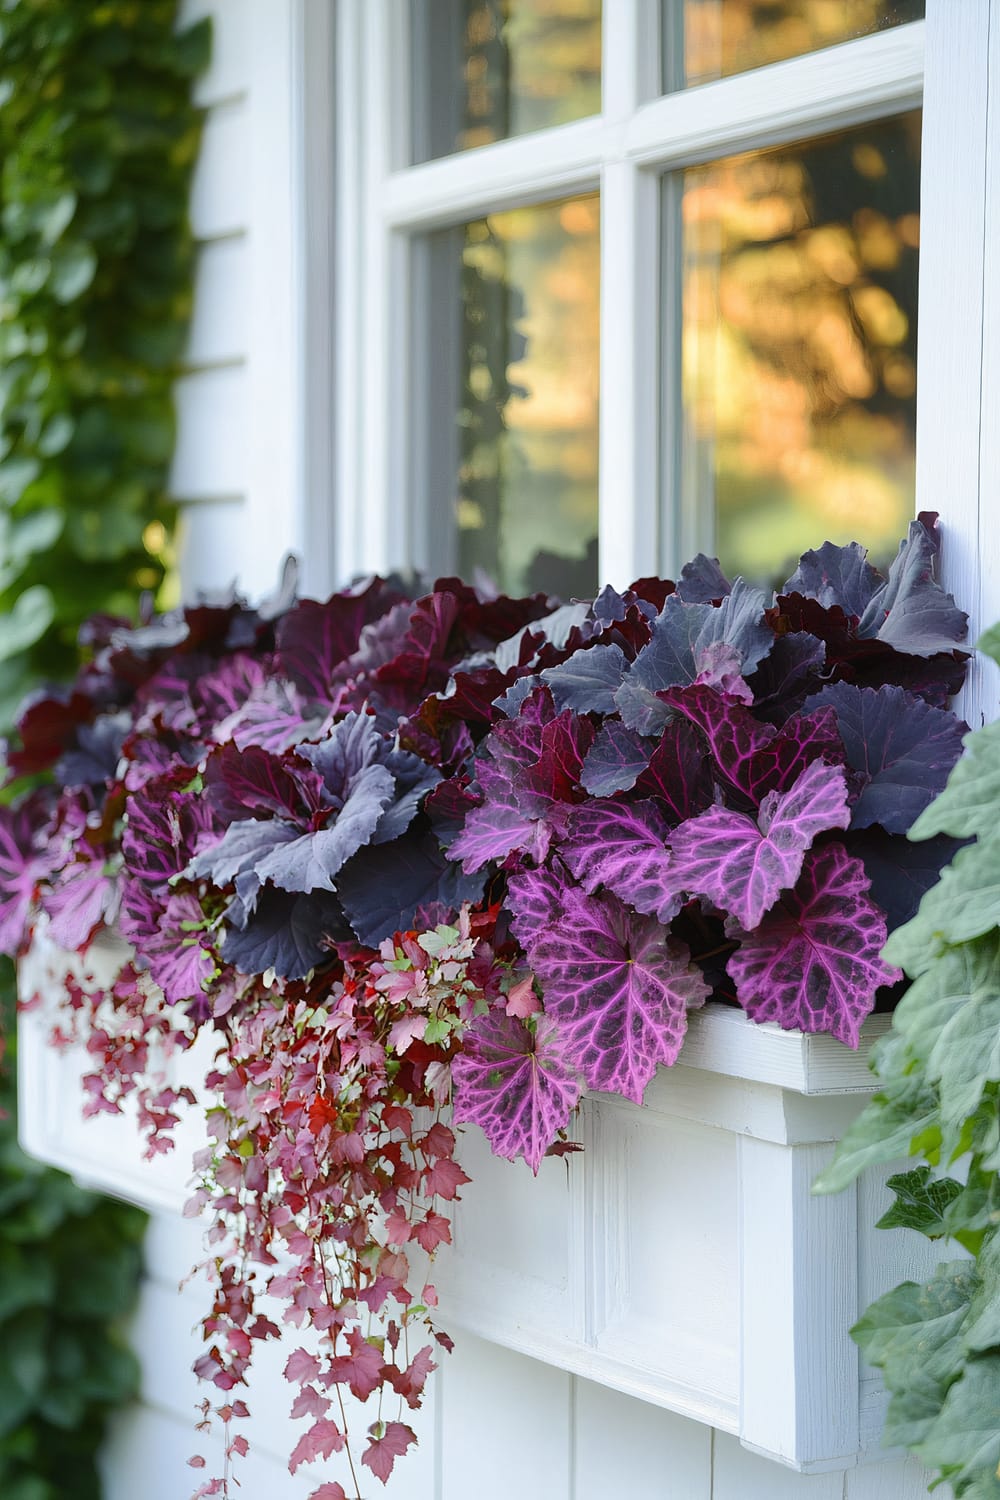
(399, 855)
(938, 1344)
(98, 138)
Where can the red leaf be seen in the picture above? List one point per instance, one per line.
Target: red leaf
(322, 1440)
(329, 1492)
(301, 1366)
(239, 1445)
(444, 1178)
(309, 1403)
(382, 1452)
(434, 1231)
(361, 1369)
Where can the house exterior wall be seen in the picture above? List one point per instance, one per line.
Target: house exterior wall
(496, 1422)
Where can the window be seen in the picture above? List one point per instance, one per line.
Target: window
(659, 298)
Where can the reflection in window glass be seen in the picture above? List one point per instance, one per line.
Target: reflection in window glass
(799, 344)
(705, 39)
(524, 470)
(488, 69)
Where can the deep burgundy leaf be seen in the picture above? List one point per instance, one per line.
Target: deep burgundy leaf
(903, 748)
(565, 742)
(385, 885)
(622, 846)
(813, 963)
(254, 783)
(679, 774)
(742, 864)
(787, 673)
(519, 1085)
(313, 639)
(619, 987)
(165, 827)
(900, 872)
(614, 760)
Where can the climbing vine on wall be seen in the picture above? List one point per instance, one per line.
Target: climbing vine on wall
(98, 138)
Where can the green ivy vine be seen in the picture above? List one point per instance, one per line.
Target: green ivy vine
(938, 1344)
(98, 139)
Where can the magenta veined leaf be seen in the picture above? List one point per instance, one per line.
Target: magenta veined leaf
(535, 899)
(518, 1084)
(623, 847)
(620, 988)
(21, 868)
(813, 962)
(742, 864)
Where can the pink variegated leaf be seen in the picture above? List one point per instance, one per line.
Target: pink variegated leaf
(518, 1084)
(742, 864)
(814, 961)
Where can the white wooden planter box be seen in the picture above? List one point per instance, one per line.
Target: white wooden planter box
(680, 1257)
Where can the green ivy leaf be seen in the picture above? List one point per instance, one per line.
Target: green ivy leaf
(73, 269)
(27, 622)
(884, 1131)
(964, 1440)
(920, 1203)
(969, 801)
(966, 1057)
(26, 1280)
(964, 904)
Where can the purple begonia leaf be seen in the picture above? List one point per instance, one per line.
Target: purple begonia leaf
(80, 899)
(413, 778)
(287, 932)
(253, 782)
(140, 915)
(495, 830)
(509, 703)
(310, 861)
(384, 886)
(753, 757)
(344, 755)
(243, 848)
(177, 958)
(912, 612)
(226, 687)
(813, 963)
(622, 846)
(275, 718)
(94, 759)
(615, 760)
(424, 660)
(313, 639)
(556, 774)
(702, 581)
(787, 672)
(695, 643)
(619, 988)
(47, 723)
(837, 575)
(742, 865)
(21, 868)
(903, 748)
(517, 1084)
(679, 773)
(588, 680)
(165, 828)
(535, 901)
(448, 806)
(900, 872)
(609, 607)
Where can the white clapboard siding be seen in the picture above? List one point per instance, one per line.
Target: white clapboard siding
(218, 332)
(220, 191)
(211, 452)
(226, 77)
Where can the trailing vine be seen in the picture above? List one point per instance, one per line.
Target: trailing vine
(938, 1344)
(98, 137)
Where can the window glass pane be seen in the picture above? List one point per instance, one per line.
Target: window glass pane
(704, 39)
(799, 345)
(513, 444)
(484, 70)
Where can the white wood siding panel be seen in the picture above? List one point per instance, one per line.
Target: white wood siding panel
(505, 1426)
(220, 192)
(229, 71)
(146, 1458)
(218, 332)
(209, 542)
(210, 458)
(893, 1481)
(627, 1448)
(738, 1475)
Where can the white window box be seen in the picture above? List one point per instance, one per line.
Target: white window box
(680, 1257)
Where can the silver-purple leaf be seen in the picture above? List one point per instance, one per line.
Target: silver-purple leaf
(703, 580)
(496, 830)
(911, 611)
(622, 846)
(614, 760)
(836, 575)
(517, 1083)
(620, 988)
(903, 748)
(814, 961)
(587, 681)
(742, 864)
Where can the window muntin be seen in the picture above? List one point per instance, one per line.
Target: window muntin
(487, 70)
(708, 39)
(799, 345)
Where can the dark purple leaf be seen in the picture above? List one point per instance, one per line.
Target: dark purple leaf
(903, 748)
(165, 828)
(788, 673)
(518, 1084)
(679, 774)
(535, 899)
(837, 575)
(509, 703)
(94, 758)
(609, 606)
(413, 778)
(588, 680)
(615, 760)
(813, 963)
(555, 629)
(287, 932)
(742, 865)
(244, 847)
(178, 959)
(384, 886)
(912, 612)
(245, 783)
(620, 989)
(556, 774)
(310, 861)
(702, 581)
(622, 846)
(21, 868)
(900, 872)
(274, 719)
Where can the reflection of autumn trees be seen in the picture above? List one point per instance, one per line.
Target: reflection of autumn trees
(721, 37)
(800, 340)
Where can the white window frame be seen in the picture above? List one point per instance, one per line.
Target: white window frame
(367, 510)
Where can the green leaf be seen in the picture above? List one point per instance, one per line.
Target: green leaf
(57, 217)
(73, 269)
(26, 1280)
(27, 622)
(982, 1331)
(884, 1131)
(23, 1366)
(966, 1057)
(964, 904)
(968, 804)
(989, 643)
(965, 1438)
(920, 1202)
